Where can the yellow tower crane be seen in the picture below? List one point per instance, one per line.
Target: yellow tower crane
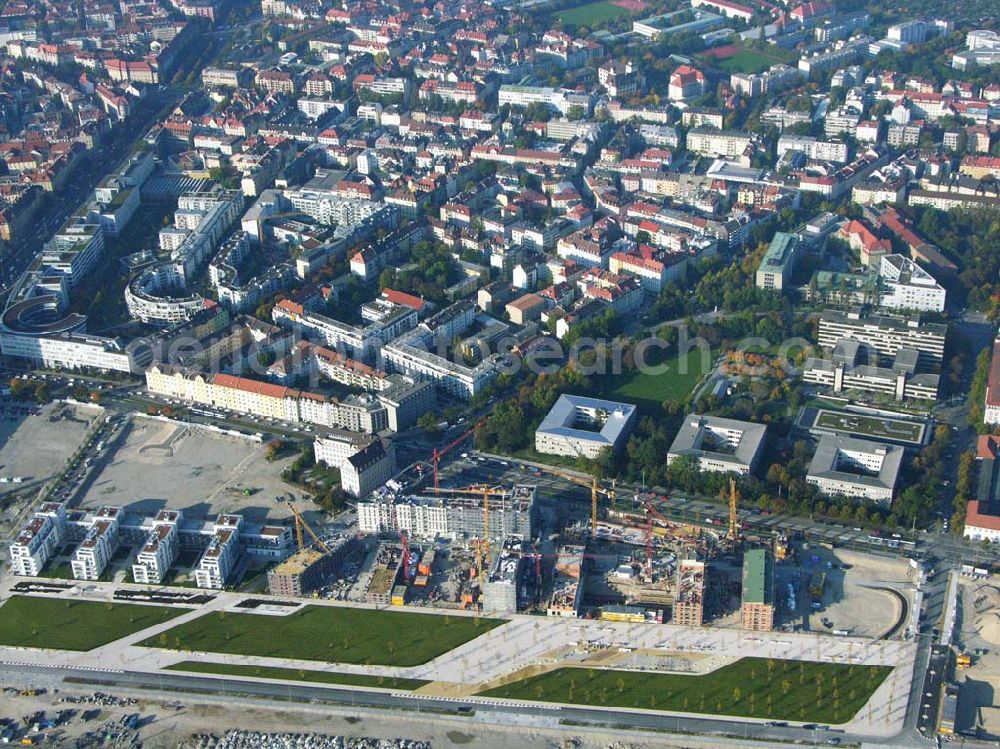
(300, 523)
(734, 527)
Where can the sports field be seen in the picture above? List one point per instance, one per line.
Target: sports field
(591, 13)
(675, 383)
(748, 61)
(62, 624)
(751, 687)
(330, 634)
(871, 426)
(294, 674)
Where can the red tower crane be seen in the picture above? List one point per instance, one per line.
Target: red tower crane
(437, 454)
(406, 554)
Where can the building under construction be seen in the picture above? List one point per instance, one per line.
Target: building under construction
(309, 569)
(500, 588)
(689, 603)
(567, 585)
(757, 612)
(454, 514)
(384, 574)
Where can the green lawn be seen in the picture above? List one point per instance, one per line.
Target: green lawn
(591, 13)
(26, 621)
(748, 61)
(292, 674)
(674, 384)
(328, 634)
(789, 690)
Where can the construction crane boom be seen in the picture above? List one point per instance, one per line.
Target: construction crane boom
(595, 490)
(437, 454)
(734, 528)
(300, 523)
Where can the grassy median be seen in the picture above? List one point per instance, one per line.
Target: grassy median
(64, 624)
(751, 687)
(299, 674)
(331, 634)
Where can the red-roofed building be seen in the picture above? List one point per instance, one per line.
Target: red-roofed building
(686, 83)
(861, 238)
(407, 300)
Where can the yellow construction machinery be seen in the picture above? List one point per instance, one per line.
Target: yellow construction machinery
(734, 520)
(595, 489)
(300, 523)
(482, 546)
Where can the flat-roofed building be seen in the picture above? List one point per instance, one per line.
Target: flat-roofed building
(852, 467)
(160, 550)
(91, 557)
(776, 267)
(579, 426)
(719, 445)
(219, 558)
(884, 333)
(757, 610)
(39, 538)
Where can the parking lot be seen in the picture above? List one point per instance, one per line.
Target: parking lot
(157, 464)
(35, 441)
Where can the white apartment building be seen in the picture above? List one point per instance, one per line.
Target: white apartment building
(904, 285)
(726, 144)
(364, 464)
(160, 551)
(219, 558)
(814, 148)
(100, 544)
(39, 538)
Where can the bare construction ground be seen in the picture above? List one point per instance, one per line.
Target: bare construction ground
(159, 465)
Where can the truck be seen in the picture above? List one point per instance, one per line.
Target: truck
(963, 660)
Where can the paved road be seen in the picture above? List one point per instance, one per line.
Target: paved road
(495, 711)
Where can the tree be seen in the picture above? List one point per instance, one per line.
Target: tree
(428, 423)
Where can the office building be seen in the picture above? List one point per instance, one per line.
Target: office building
(719, 445)
(852, 467)
(887, 335)
(578, 426)
(778, 264)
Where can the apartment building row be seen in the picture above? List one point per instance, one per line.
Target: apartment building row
(364, 412)
(155, 541)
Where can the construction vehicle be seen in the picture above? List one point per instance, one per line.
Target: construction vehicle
(963, 660)
(300, 523)
(781, 547)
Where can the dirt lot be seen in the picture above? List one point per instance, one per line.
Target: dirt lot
(166, 724)
(160, 465)
(35, 447)
(852, 598)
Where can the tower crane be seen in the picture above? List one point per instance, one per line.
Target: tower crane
(437, 454)
(485, 491)
(300, 523)
(595, 489)
(734, 522)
